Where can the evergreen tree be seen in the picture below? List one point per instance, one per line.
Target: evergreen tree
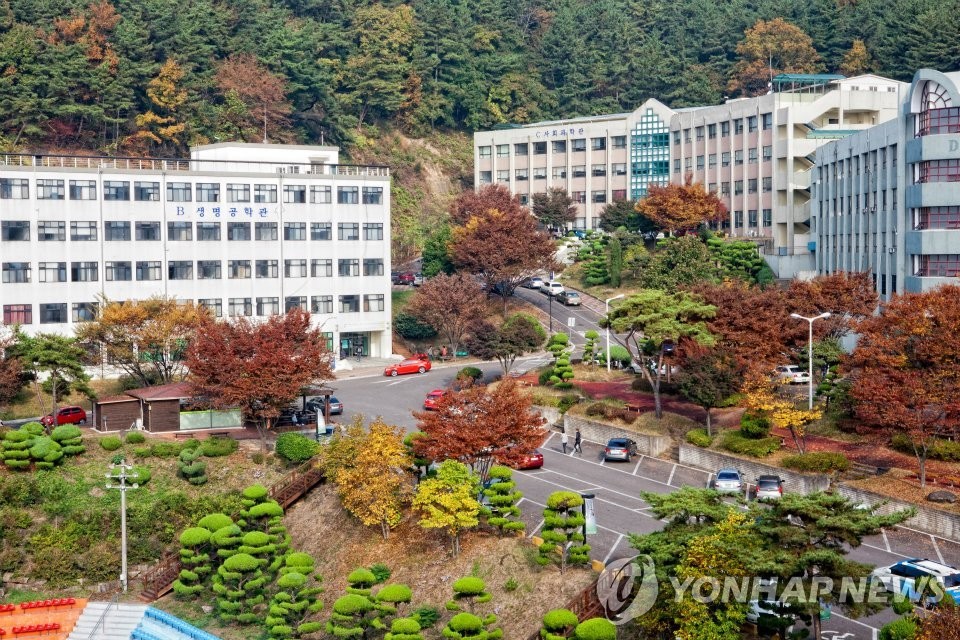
(501, 500)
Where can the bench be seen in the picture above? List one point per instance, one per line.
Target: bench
(192, 434)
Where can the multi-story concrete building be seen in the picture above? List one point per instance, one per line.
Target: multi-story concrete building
(242, 229)
(596, 160)
(887, 200)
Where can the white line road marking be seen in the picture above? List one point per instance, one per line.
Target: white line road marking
(613, 548)
(605, 489)
(672, 471)
(626, 472)
(537, 528)
(619, 533)
(610, 502)
(936, 548)
(637, 467)
(893, 553)
(886, 542)
(862, 624)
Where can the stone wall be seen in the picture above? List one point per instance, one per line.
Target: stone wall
(647, 445)
(551, 414)
(713, 461)
(939, 523)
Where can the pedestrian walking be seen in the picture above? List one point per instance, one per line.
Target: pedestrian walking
(564, 440)
(576, 443)
(358, 353)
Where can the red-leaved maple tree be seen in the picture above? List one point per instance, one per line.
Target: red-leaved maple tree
(848, 296)
(906, 369)
(449, 304)
(477, 203)
(478, 426)
(675, 207)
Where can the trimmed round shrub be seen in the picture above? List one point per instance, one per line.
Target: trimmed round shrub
(395, 593)
(294, 447)
(65, 432)
(256, 539)
(471, 373)
(902, 629)
(755, 426)
(469, 586)
(735, 442)
(404, 627)
(818, 462)
(135, 437)
(33, 429)
(111, 443)
(266, 510)
(466, 624)
(218, 446)
(215, 521)
(143, 474)
(351, 604)
(596, 629)
(194, 536)
(299, 559)
(241, 562)
(256, 492)
(699, 438)
(309, 627)
(559, 619)
(292, 580)
(361, 575)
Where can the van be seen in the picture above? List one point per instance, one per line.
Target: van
(552, 288)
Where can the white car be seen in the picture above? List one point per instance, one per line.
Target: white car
(552, 288)
(534, 283)
(757, 608)
(792, 374)
(728, 481)
(901, 577)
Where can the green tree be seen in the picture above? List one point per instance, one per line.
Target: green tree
(770, 48)
(679, 262)
(708, 378)
(60, 358)
(563, 539)
(558, 624)
(436, 253)
(501, 498)
(623, 213)
(297, 597)
(448, 501)
(519, 334)
(590, 346)
(615, 266)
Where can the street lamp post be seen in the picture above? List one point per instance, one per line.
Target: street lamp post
(810, 321)
(606, 307)
(122, 477)
(550, 311)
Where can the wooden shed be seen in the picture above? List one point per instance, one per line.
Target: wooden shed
(116, 413)
(160, 405)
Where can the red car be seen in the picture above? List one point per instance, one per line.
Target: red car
(410, 365)
(66, 415)
(532, 460)
(407, 277)
(430, 402)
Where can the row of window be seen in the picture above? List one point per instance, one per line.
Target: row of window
(937, 171)
(56, 312)
(710, 131)
(557, 146)
(559, 173)
(937, 218)
(21, 272)
(851, 204)
(752, 183)
(711, 160)
(57, 189)
(752, 218)
(938, 266)
(56, 231)
(938, 121)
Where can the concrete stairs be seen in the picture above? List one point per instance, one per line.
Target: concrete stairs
(118, 624)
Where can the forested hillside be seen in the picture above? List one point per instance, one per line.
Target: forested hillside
(152, 76)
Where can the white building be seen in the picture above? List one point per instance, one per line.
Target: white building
(243, 229)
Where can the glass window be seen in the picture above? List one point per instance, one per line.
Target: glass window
(712, 160)
(724, 129)
(767, 119)
(52, 272)
(598, 196)
(147, 231)
(321, 231)
(238, 192)
(539, 173)
(618, 142)
(559, 146)
(503, 175)
(18, 189)
(320, 194)
(579, 197)
(373, 302)
(213, 305)
(767, 184)
(752, 155)
(264, 193)
(265, 231)
(700, 162)
(208, 192)
(737, 187)
(348, 195)
(49, 189)
(295, 268)
(372, 195)
(578, 144)
(676, 137)
(348, 231)
(295, 193)
(179, 231)
(752, 185)
(348, 268)
(598, 144)
(686, 135)
(711, 131)
(938, 171)
(268, 306)
(521, 174)
(484, 151)
(738, 126)
(16, 272)
(116, 190)
(208, 270)
(521, 149)
(117, 231)
(294, 302)
(768, 217)
(268, 269)
(349, 304)
(676, 165)
(373, 266)
(53, 313)
(179, 192)
(503, 151)
(738, 219)
(321, 304)
(17, 314)
(294, 230)
(146, 191)
(767, 152)
(738, 157)
(699, 131)
(752, 218)
(208, 231)
(239, 269)
(83, 190)
(322, 268)
(598, 170)
(524, 199)
(579, 171)
(237, 307)
(752, 125)
(559, 173)
(180, 270)
(725, 159)
(619, 195)
(117, 271)
(238, 231)
(84, 272)
(539, 148)
(148, 270)
(486, 177)
(372, 231)
(51, 231)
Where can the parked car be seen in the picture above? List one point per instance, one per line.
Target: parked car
(533, 283)
(792, 374)
(430, 402)
(532, 460)
(552, 288)
(902, 577)
(620, 449)
(317, 405)
(65, 415)
(769, 488)
(728, 481)
(759, 611)
(569, 298)
(407, 277)
(417, 279)
(410, 365)
(499, 289)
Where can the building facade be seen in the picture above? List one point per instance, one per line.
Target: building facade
(246, 230)
(887, 200)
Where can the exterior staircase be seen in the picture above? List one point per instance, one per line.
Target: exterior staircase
(107, 621)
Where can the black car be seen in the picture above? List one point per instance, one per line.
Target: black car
(620, 449)
(317, 406)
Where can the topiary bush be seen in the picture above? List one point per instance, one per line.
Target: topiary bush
(699, 437)
(296, 448)
(404, 629)
(352, 614)
(143, 474)
(469, 373)
(902, 629)
(215, 521)
(543, 378)
(190, 469)
(558, 624)
(818, 461)
(500, 508)
(166, 449)
(218, 446)
(563, 539)
(111, 443)
(735, 442)
(753, 425)
(135, 437)
(596, 629)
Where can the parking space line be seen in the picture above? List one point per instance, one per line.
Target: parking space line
(862, 624)
(610, 502)
(936, 548)
(637, 467)
(563, 475)
(537, 528)
(612, 549)
(672, 471)
(627, 472)
(893, 553)
(599, 526)
(886, 543)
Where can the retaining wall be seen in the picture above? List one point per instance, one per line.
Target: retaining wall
(551, 414)
(648, 445)
(939, 523)
(713, 461)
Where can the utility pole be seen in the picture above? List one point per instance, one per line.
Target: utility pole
(123, 487)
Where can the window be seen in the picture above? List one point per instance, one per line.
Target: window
(711, 131)
(559, 173)
(738, 125)
(208, 270)
(147, 231)
(686, 135)
(752, 218)
(268, 306)
(937, 218)
(676, 137)
(17, 314)
(15, 230)
(52, 272)
(322, 268)
(83, 190)
(752, 125)
(372, 195)
(767, 120)
(239, 307)
(521, 149)
(116, 190)
(752, 185)
(321, 231)
(521, 175)
(208, 231)
(598, 144)
(373, 267)
(348, 231)
(618, 142)
(676, 165)
(484, 152)
(712, 187)
(117, 231)
(767, 152)
(179, 231)
(938, 171)
(321, 304)
(239, 269)
(348, 195)
(180, 270)
(712, 160)
(208, 192)
(767, 184)
(294, 302)
(752, 155)
(349, 304)
(83, 231)
(294, 230)
(688, 163)
(619, 195)
(146, 191)
(265, 231)
(598, 170)
(524, 199)
(598, 196)
(619, 169)
(539, 173)
(724, 188)
(941, 266)
(238, 192)
(373, 231)
(738, 157)
(295, 193)
(579, 171)
(486, 177)
(725, 159)
(296, 268)
(724, 129)
(699, 132)
(700, 163)
(768, 217)
(268, 269)
(18, 189)
(348, 268)
(320, 194)
(737, 187)
(580, 197)
(51, 231)
(503, 175)
(49, 189)
(119, 271)
(148, 270)
(503, 151)
(373, 302)
(737, 219)
(16, 272)
(213, 305)
(264, 193)
(578, 144)
(84, 272)
(179, 192)
(238, 231)
(53, 313)
(539, 148)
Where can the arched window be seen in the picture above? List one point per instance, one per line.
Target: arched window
(934, 96)
(937, 115)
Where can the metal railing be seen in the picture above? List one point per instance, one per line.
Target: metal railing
(103, 616)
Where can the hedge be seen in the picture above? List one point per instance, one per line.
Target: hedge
(596, 629)
(754, 426)
(135, 437)
(940, 449)
(218, 446)
(469, 372)
(699, 438)
(819, 461)
(111, 443)
(735, 442)
(295, 447)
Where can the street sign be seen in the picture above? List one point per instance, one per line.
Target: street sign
(571, 322)
(589, 515)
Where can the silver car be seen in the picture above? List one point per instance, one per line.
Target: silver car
(728, 481)
(769, 488)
